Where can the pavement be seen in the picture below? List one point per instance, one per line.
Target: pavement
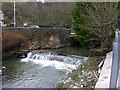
(105, 73)
(104, 78)
(119, 78)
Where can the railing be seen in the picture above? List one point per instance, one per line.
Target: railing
(115, 61)
(27, 28)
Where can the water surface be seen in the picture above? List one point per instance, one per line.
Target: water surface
(42, 70)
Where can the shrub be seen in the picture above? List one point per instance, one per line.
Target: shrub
(11, 41)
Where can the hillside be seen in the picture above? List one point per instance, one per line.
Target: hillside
(47, 14)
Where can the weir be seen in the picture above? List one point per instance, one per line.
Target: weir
(54, 59)
(44, 69)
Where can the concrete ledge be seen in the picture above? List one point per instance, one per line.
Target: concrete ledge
(104, 78)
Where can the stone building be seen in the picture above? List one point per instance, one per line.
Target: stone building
(1, 18)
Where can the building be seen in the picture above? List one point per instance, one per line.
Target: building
(1, 18)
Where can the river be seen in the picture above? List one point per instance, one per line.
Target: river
(42, 69)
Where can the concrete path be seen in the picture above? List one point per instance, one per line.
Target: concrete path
(119, 78)
(104, 79)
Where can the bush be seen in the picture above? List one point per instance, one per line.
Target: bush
(13, 41)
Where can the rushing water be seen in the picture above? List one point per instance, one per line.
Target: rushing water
(42, 69)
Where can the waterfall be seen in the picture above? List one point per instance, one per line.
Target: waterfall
(53, 59)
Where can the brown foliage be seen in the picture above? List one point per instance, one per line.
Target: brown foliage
(11, 41)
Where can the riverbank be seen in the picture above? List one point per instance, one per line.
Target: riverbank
(105, 73)
(85, 76)
(17, 42)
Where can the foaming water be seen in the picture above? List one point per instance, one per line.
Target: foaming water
(55, 60)
(39, 70)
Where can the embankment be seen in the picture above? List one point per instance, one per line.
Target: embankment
(13, 42)
(33, 39)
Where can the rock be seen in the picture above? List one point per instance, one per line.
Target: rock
(3, 67)
(48, 43)
(75, 87)
(81, 86)
(0, 72)
(81, 80)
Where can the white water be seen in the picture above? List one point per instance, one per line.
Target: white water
(54, 60)
(39, 70)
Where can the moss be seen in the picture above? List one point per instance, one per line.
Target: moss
(60, 85)
(76, 78)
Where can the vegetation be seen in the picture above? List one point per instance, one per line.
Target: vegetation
(79, 24)
(47, 14)
(83, 76)
(119, 13)
(94, 22)
(12, 41)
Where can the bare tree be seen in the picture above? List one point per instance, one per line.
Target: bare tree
(102, 17)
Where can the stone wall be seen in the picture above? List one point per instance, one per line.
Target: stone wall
(46, 38)
(19, 42)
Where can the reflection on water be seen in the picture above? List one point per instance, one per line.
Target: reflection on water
(73, 51)
(33, 75)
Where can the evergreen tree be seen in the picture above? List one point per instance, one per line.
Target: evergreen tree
(79, 24)
(95, 21)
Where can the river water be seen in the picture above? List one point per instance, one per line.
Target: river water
(42, 69)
